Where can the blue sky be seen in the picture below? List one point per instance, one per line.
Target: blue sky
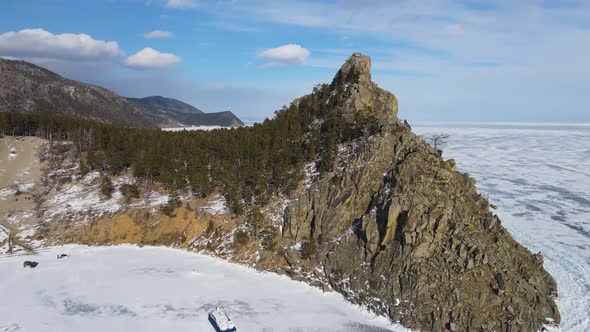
(467, 60)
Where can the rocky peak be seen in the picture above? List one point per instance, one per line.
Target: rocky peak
(396, 228)
(360, 97)
(356, 68)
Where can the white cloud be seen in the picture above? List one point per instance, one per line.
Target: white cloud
(148, 58)
(181, 4)
(158, 34)
(41, 44)
(290, 54)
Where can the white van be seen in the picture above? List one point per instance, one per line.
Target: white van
(221, 321)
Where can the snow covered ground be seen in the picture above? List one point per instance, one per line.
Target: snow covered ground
(127, 288)
(539, 177)
(191, 128)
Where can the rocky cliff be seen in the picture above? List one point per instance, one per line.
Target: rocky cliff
(397, 228)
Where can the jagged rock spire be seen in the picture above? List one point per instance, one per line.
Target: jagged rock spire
(361, 98)
(357, 67)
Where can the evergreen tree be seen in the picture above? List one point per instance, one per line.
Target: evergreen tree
(240, 238)
(129, 191)
(255, 220)
(106, 187)
(309, 248)
(174, 200)
(269, 236)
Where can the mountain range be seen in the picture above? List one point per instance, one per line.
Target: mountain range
(184, 113)
(25, 87)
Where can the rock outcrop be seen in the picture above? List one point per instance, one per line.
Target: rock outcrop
(361, 95)
(398, 229)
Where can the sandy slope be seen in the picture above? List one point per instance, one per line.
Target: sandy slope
(13, 165)
(19, 167)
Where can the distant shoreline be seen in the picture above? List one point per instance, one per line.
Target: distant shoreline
(478, 123)
(501, 123)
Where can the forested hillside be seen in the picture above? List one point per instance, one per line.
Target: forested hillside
(184, 113)
(249, 164)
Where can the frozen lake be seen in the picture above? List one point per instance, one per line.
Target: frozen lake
(539, 177)
(126, 288)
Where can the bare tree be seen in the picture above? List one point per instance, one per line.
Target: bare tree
(12, 238)
(43, 152)
(39, 204)
(439, 141)
(8, 239)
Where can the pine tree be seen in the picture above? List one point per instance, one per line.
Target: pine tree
(309, 248)
(269, 236)
(106, 187)
(129, 191)
(255, 220)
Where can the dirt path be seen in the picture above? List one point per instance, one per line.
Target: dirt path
(18, 160)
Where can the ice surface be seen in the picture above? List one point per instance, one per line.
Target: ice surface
(191, 128)
(126, 288)
(539, 177)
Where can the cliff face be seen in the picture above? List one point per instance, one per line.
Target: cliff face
(397, 228)
(361, 96)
